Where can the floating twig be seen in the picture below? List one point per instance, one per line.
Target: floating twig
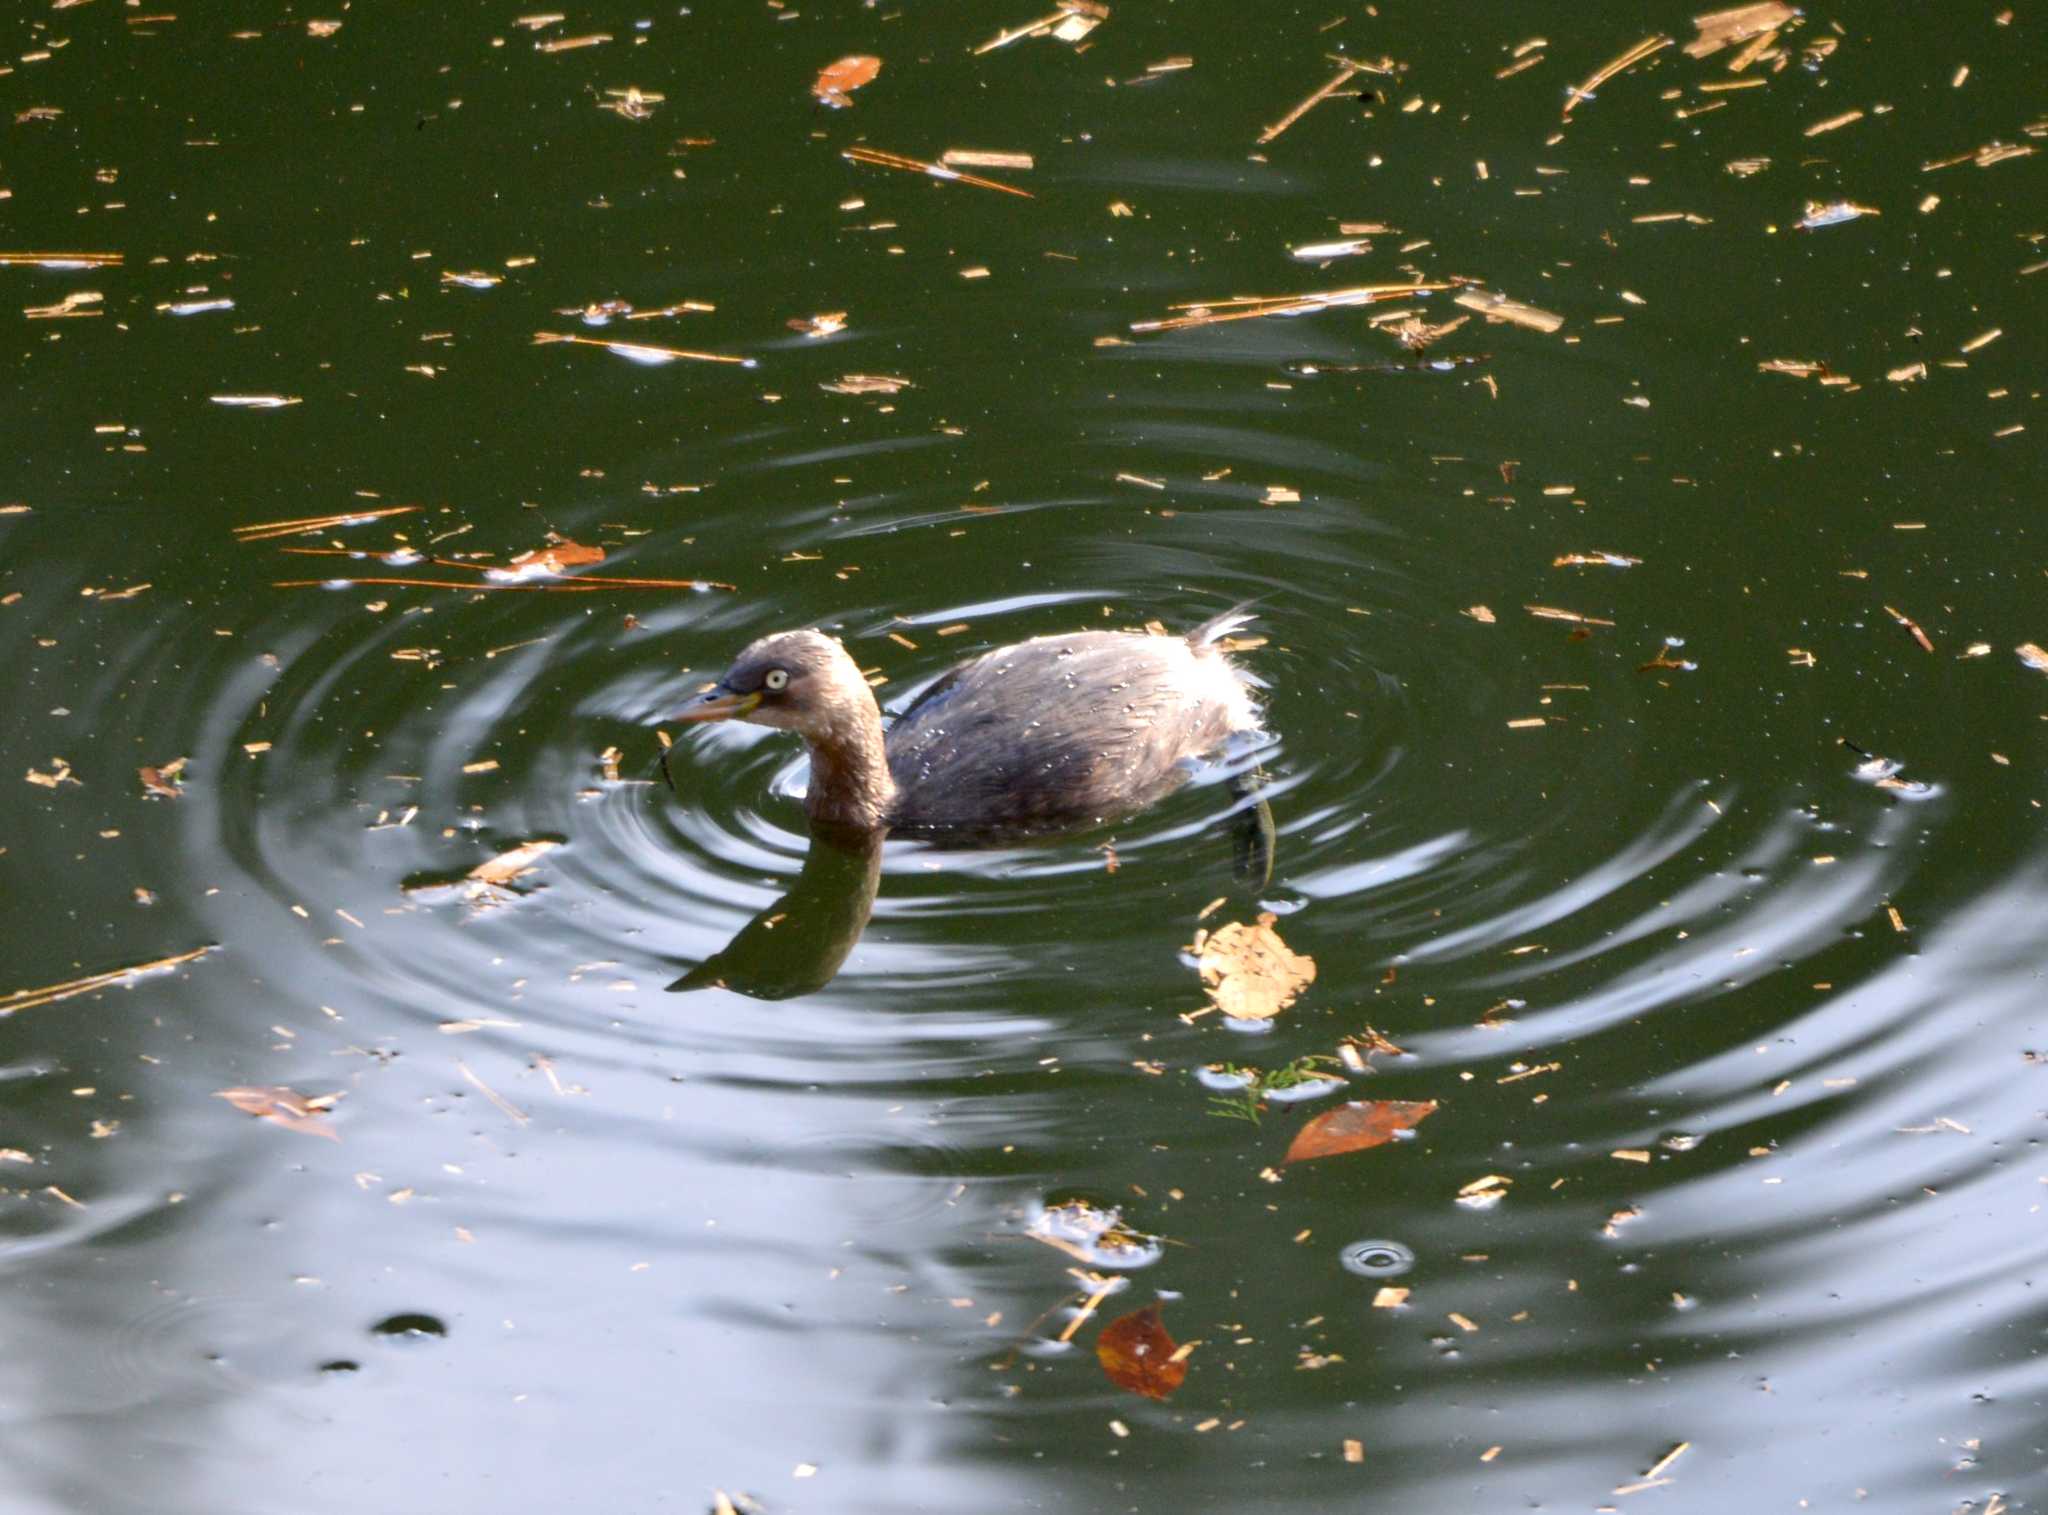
(60, 260)
(562, 586)
(1348, 69)
(494, 1096)
(1246, 307)
(28, 999)
(880, 159)
(640, 352)
(1607, 71)
(258, 531)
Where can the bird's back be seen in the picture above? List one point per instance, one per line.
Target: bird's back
(1062, 732)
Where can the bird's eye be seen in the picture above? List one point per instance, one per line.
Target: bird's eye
(777, 678)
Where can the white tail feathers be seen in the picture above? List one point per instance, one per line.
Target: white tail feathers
(1216, 628)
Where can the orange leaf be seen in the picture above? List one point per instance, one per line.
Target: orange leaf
(1355, 1126)
(1139, 1356)
(836, 81)
(553, 560)
(285, 1107)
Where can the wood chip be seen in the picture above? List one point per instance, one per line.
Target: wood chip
(961, 157)
(1498, 307)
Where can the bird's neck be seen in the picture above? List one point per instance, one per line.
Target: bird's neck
(850, 783)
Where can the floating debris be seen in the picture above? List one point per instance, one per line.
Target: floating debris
(1606, 71)
(60, 260)
(82, 302)
(1357, 1125)
(1248, 972)
(164, 782)
(639, 352)
(963, 157)
(1347, 70)
(866, 384)
(1316, 252)
(630, 103)
(879, 159)
(1074, 20)
(259, 531)
(1253, 307)
(1719, 29)
(1139, 1356)
(29, 999)
(1832, 213)
(837, 81)
(515, 864)
(282, 1106)
(1498, 307)
(255, 402)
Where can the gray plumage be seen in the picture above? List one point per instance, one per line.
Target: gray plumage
(1051, 735)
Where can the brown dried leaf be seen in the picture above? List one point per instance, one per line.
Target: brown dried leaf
(836, 81)
(507, 866)
(1357, 1125)
(284, 1107)
(163, 783)
(551, 561)
(1249, 973)
(1139, 1356)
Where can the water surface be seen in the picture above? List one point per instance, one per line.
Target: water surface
(1710, 914)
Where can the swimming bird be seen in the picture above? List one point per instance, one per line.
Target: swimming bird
(1051, 735)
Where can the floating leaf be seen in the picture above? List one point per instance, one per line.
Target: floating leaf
(1249, 973)
(507, 866)
(836, 81)
(1355, 1126)
(1139, 1356)
(551, 561)
(284, 1107)
(164, 783)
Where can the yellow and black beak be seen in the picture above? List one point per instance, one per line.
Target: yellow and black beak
(719, 703)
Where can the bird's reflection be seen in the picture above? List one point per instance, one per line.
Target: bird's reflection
(795, 945)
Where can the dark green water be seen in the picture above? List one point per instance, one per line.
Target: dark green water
(780, 1248)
